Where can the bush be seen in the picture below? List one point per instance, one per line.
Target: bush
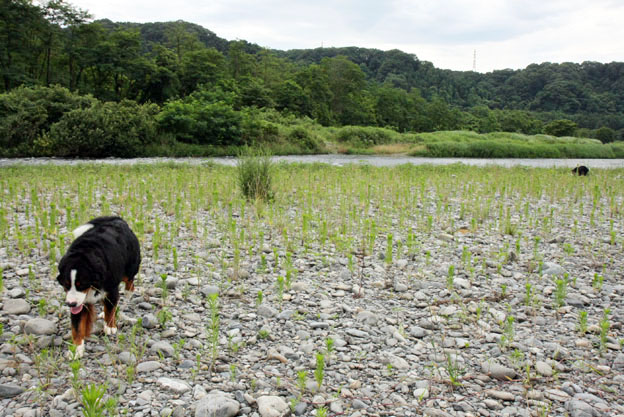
(302, 137)
(562, 127)
(364, 136)
(105, 129)
(26, 113)
(258, 128)
(618, 149)
(605, 134)
(255, 174)
(195, 121)
(517, 121)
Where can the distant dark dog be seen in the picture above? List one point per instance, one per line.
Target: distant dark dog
(105, 252)
(581, 170)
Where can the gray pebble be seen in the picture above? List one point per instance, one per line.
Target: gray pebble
(10, 390)
(16, 306)
(40, 326)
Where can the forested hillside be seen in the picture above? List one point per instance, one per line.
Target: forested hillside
(185, 84)
(590, 87)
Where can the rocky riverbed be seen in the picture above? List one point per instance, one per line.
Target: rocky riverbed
(475, 321)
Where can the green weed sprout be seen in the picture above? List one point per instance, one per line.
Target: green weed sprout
(301, 381)
(42, 307)
(321, 412)
(280, 288)
(164, 316)
(163, 286)
(508, 332)
(604, 329)
(454, 371)
(450, 277)
(92, 398)
(388, 258)
(528, 295)
(319, 372)
(582, 325)
(597, 282)
(212, 329)
(560, 292)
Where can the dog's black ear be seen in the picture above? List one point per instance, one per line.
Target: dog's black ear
(59, 279)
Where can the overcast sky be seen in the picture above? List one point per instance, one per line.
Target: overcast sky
(504, 33)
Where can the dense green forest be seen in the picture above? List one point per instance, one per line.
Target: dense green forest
(71, 86)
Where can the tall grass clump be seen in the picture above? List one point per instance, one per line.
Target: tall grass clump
(461, 144)
(255, 176)
(363, 136)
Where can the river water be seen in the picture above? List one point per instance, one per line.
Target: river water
(336, 160)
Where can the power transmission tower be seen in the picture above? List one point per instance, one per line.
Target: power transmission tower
(474, 60)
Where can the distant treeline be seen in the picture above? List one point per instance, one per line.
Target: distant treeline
(72, 87)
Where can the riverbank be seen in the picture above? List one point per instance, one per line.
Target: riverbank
(357, 140)
(439, 290)
(287, 136)
(334, 160)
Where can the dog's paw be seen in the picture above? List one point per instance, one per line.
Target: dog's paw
(101, 315)
(109, 330)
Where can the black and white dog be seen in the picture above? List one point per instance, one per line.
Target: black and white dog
(104, 253)
(580, 170)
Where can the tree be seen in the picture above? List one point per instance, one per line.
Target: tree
(417, 112)
(240, 63)
(605, 134)
(151, 83)
(518, 121)
(441, 116)
(561, 127)
(118, 64)
(485, 120)
(63, 20)
(347, 82)
(204, 66)
(254, 93)
(273, 70)
(82, 53)
(397, 65)
(290, 97)
(180, 40)
(317, 94)
(20, 41)
(392, 108)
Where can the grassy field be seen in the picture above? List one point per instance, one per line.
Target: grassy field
(466, 144)
(473, 223)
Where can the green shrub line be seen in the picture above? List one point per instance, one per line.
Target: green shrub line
(507, 149)
(54, 122)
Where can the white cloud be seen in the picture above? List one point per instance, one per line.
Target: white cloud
(505, 33)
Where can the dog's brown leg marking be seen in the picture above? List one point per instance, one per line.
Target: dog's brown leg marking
(83, 331)
(129, 283)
